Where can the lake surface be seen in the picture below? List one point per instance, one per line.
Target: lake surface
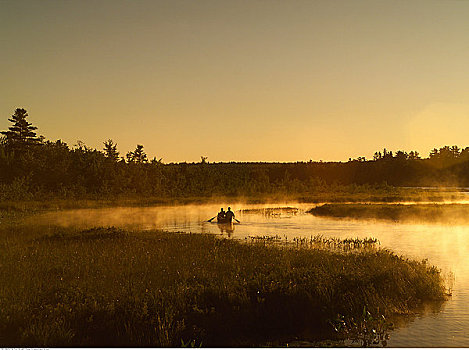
(446, 246)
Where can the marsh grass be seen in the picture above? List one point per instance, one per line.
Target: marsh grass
(365, 330)
(110, 287)
(438, 213)
(271, 211)
(336, 244)
(317, 242)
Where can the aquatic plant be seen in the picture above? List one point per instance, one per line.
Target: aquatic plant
(317, 242)
(365, 330)
(333, 243)
(271, 211)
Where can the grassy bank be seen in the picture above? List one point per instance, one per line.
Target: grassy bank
(350, 193)
(109, 287)
(387, 195)
(435, 213)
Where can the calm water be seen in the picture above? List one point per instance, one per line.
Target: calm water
(443, 245)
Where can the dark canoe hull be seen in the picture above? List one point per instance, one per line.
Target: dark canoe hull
(223, 221)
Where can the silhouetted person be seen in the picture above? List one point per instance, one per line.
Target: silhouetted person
(229, 215)
(221, 215)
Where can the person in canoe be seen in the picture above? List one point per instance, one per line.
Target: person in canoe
(229, 215)
(221, 216)
(224, 217)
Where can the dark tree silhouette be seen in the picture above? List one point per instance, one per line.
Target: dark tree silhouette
(402, 155)
(110, 150)
(54, 169)
(22, 132)
(414, 155)
(157, 161)
(433, 153)
(137, 156)
(456, 151)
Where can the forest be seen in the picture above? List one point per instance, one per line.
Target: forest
(32, 167)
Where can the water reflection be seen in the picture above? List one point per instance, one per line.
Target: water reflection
(443, 245)
(227, 228)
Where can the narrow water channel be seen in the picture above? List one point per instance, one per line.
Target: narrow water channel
(446, 246)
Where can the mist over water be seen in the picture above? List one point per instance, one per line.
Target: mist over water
(446, 246)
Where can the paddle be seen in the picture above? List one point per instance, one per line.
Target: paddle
(237, 220)
(211, 219)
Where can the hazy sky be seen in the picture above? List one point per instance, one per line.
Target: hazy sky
(240, 80)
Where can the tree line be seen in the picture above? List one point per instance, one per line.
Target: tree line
(33, 167)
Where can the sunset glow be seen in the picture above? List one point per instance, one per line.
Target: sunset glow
(240, 80)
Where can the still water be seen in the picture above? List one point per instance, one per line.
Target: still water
(446, 246)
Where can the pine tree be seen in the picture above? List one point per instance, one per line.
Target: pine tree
(110, 150)
(22, 132)
(137, 156)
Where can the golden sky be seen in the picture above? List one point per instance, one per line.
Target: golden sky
(240, 80)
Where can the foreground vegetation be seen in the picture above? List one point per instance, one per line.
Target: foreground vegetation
(110, 287)
(435, 213)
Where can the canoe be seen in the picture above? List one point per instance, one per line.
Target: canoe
(224, 221)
